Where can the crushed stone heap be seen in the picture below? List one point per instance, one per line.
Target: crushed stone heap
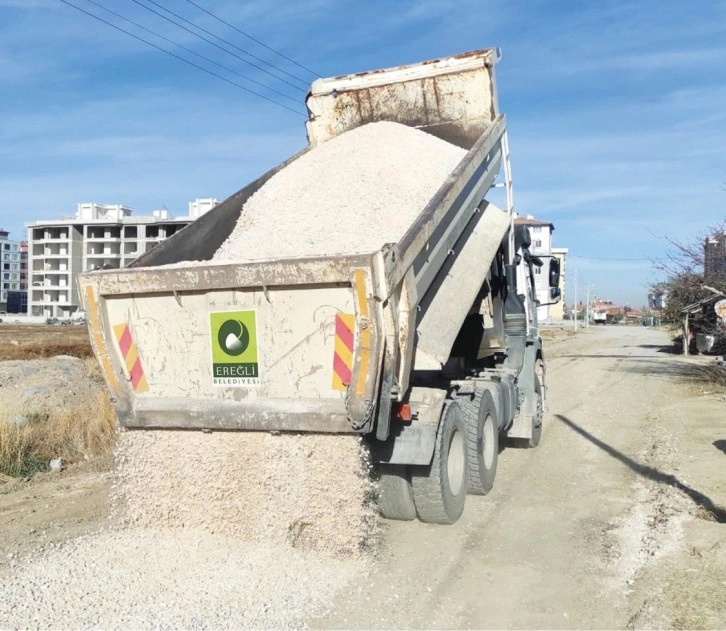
(349, 195)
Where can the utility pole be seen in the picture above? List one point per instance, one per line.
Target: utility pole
(576, 305)
(587, 310)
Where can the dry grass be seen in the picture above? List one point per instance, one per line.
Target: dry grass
(712, 377)
(39, 351)
(36, 342)
(73, 434)
(557, 332)
(92, 369)
(706, 379)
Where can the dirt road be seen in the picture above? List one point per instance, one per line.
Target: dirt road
(599, 527)
(615, 521)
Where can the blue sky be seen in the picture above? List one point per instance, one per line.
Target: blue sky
(616, 109)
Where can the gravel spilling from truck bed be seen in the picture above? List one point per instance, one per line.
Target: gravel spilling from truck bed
(349, 195)
(245, 529)
(169, 579)
(306, 491)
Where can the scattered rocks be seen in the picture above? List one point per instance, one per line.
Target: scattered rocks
(169, 579)
(253, 486)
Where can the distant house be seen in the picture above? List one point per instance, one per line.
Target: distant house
(541, 233)
(605, 312)
(658, 298)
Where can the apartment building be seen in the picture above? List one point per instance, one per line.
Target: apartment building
(714, 258)
(557, 311)
(10, 271)
(24, 266)
(541, 233)
(99, 235)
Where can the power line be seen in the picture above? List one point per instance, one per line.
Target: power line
(186, 61)
(190, 51)
(594, 258)
(248, 36)
(209, 41)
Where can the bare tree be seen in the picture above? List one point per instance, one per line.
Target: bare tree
(684, 265)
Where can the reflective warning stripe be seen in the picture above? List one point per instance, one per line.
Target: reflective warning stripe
(98, 341)
(131, 357)
(343, 355)
(365, 332)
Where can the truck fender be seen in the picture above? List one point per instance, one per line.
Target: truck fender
(414, 442)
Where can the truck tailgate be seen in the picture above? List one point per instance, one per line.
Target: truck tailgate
(256, 346)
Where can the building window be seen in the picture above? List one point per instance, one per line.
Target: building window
(537, 270)
(538, 243)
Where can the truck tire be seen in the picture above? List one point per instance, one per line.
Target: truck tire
(482, 427)
(439, 489)
(538, 412)
(395, 497)
(537, 417)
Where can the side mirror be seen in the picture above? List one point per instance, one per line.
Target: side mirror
(555, 294)
(554, 274)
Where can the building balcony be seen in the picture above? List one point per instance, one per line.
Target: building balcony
(53, 255)
(63, 303)
(51, 286)
(51, 240)
(41, 266)
(102, 255)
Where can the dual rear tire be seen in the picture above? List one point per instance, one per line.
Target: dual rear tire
(435, 493)
(439, 490)
(465, 460)
(482, 441)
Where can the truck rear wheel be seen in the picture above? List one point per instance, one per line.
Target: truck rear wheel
(537, 416)
(482, 441)
(395, 497)
(439, 490)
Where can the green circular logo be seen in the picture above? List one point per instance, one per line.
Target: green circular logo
(233, 337)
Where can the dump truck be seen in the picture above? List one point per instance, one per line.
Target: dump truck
(427, 347)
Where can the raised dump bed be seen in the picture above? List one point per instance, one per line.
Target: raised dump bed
(191, 338)
(363, 286)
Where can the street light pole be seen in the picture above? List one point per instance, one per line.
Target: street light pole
(587, 311)
(576, 310)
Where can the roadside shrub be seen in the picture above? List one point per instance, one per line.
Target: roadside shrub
(27, 445)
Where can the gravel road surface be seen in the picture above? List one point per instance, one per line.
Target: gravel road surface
(599, 527)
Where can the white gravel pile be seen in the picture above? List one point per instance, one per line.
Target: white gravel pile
(307, 491)
(349, 195)
(166, 579)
